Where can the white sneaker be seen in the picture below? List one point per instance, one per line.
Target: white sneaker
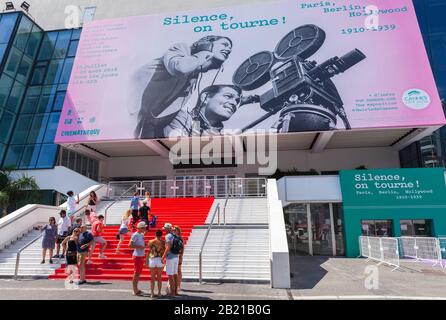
(101, 256)
(89, 262)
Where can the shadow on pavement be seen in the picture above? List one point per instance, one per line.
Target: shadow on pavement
(306, 272)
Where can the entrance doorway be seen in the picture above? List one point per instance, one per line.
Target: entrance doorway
(315, 229)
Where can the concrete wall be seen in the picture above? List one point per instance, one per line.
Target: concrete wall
(329, 160)
(50, 14)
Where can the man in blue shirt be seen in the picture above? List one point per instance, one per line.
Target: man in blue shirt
(83, 247)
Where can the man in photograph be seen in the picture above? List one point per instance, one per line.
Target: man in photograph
(216, 104)
(170, 80)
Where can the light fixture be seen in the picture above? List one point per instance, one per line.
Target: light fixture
(25, 6)
(9, 6)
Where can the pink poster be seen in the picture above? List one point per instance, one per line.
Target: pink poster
(290, 66)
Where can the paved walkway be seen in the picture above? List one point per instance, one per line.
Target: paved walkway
(313, 278)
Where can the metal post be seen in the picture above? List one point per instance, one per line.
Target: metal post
(200, 262)
(333, 236)
(16, 272)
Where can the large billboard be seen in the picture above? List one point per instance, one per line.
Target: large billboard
(289, 66)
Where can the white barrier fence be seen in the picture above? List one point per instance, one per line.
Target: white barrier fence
(391, 250)
(422, 249)
(383, 250)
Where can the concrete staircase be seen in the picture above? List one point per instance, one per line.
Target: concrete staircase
(243, 211)
(239, 251)
(115, 212)
(30, 258)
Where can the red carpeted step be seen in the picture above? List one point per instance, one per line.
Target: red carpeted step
(185, 213)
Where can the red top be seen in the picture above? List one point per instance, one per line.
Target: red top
(97, 228)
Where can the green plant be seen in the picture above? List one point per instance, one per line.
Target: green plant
(12, 188)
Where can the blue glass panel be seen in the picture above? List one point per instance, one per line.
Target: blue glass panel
(47, 49)
(7, 25)
(2, 151)
(62, 43)
(15, 97)
(6, 125)
(24, 70)
(22, 129)
(2, 51)
(30, 156)
(34, 42)
(76, 34)
(436, 11)
(31, 100)
(66, 71)
(54, 71)
(58, 103)
(22, 34)
(5, 88)
(38, 128)
(13, 156)
(52, 128)
(46, 99)
(73, 48)
(47, 156)
(13, 63)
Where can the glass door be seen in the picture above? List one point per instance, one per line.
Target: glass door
(296, 224)
(321, 225)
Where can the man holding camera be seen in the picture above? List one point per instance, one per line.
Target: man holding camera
(170, 80)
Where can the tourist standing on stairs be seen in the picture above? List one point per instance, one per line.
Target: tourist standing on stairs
(63, 228)
(92, 201)
(49, 238)
(71, 203)
(155, 263)
(86, 239)
(134, 206)
(97, 230)
(123, 229)
(137, 242)
(90, 216)
(144, 213)
(180, 257)
(148, 200)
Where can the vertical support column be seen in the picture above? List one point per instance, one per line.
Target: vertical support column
(310, 230)
(333, 236)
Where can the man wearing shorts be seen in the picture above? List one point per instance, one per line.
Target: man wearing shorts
(97, 230)
(137, 243)
(63, 229)
(171, 261)
(83, 247)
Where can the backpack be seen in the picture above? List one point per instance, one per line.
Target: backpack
(177, 244)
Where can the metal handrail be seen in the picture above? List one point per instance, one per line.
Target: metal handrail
(224, 209)
(200, 257)
(119, 198)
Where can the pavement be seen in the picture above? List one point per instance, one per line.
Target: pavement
(313, 278)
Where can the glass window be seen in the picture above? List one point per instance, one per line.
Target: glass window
(377, 228)
(5, 87)
(58, 103)
(72, 160)
(24, 70)
(54, 71)
(2, 51)
(66, 72)
(31, 100)
(6, 125)
(13, 63)
(47, 156)
(30, 156)
(368, 228)
(64, 159)
(52, 128)
(33, 42)
(15, 98)
(13, 156)
(22, 129)
(46, 99)
(23, 32)
(38, 128)
(62, 43)
(2, 151)
(38, 75)
(406, 227)
(73, 48)
(76, 35)
(47, 49)
(7, 25)
(416, 228)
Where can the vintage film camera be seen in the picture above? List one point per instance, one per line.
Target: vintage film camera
(302, 90)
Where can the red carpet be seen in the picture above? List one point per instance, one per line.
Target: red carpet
(184, 212)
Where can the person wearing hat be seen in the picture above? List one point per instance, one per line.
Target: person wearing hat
(137, 242)
(171, 260)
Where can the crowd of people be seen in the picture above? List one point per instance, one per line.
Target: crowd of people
(78, 243)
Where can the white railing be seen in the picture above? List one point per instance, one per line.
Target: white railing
(442, 241)
(188, 188)
(380, 249)
(422, 249)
